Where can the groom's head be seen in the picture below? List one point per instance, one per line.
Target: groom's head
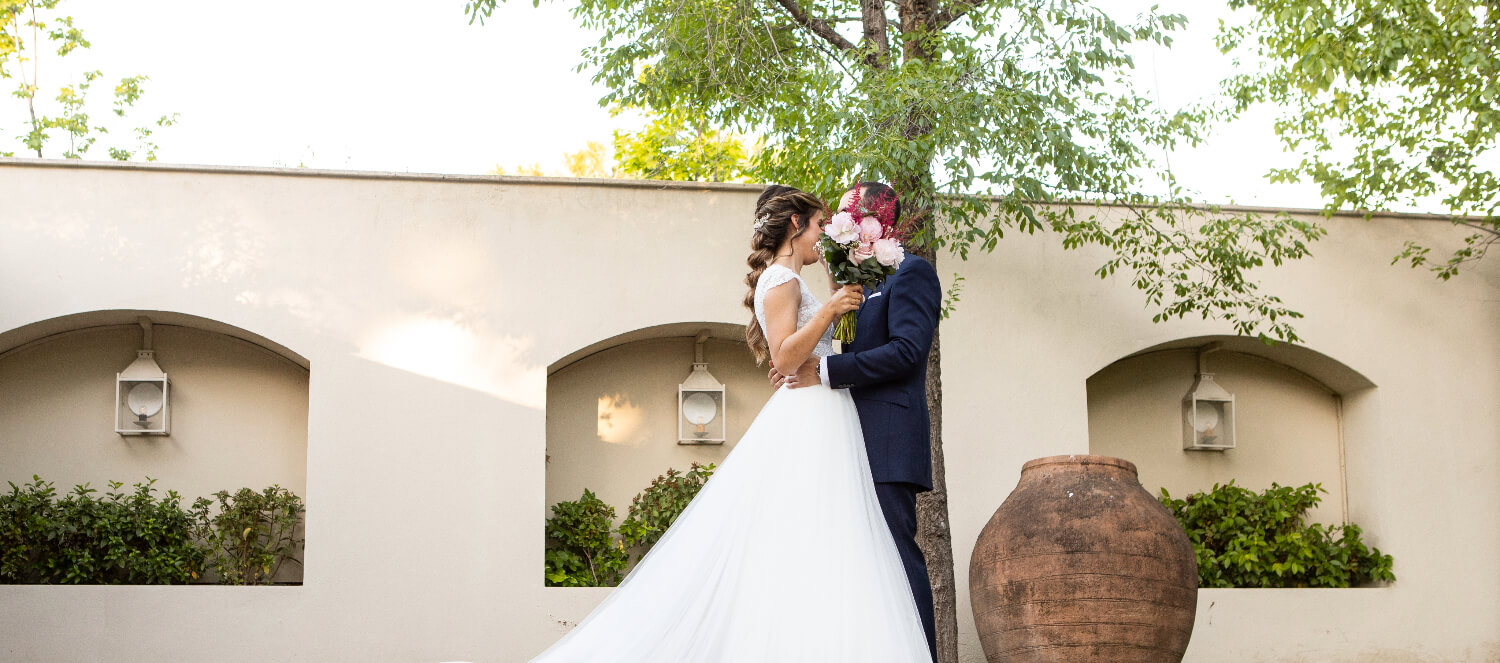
(873, 199)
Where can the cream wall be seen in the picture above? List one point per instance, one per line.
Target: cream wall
(431, 308)
(612, 416)
(1287, 426)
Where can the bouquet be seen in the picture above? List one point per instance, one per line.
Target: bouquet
(861, 246)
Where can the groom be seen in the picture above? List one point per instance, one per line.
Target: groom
(885, 371)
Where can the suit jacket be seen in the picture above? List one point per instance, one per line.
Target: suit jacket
(885, 370)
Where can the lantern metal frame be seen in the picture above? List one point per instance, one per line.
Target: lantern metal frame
(143, 371)
(1207, 395)
(700, 381)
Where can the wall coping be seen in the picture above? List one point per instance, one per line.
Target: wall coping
(80, 164)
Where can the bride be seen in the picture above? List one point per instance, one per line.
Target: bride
(784, 556)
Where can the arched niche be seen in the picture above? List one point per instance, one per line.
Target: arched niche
(239, 405)
(612, 408)
(1290, 417)
(19, 337)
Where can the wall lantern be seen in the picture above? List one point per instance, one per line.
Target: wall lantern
(1207, 411)
(141, 393)
(700, 402)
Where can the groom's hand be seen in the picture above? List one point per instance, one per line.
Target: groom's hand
(806, 375)
(775, 376)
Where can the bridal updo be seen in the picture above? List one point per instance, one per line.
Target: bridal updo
(781, 213)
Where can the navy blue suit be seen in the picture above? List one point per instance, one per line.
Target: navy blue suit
(885, 370)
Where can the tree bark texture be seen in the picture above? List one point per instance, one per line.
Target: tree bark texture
(933, 532)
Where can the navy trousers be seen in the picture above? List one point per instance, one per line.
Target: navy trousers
(899, 503)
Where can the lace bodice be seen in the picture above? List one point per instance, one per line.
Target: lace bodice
(776, 275)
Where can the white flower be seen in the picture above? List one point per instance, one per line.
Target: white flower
(870, 230)
(841, 228)
(888, 252)
(863, 252)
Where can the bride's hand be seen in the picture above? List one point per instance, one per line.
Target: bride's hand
(847, 299)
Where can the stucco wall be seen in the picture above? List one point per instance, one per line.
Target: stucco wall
(431, 308)
(1287, 426)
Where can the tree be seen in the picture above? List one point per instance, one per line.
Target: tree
(591, 161)
(671, 147)
(29, 28)
(667, 148)
(533, 170)
(986, 115)
(1391, 102)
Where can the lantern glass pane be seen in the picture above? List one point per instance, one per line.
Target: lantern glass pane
(142, 407)
(699, 408)
(702, 416)
(1209, 423)
(144, 398)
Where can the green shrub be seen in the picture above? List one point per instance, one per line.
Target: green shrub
(655, 509)
(1245, 539)
(581, 550)
(252, 535)
(122, 538)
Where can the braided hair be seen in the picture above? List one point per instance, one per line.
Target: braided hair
(781, 213)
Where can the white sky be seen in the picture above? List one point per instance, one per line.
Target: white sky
(381, 85)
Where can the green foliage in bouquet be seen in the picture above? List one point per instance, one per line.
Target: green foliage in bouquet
(81, 538)
(868, 271)
(1248, 539)
(581, 551)
(253, 534)
(655, 509)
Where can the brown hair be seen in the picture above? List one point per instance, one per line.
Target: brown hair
(786, 212)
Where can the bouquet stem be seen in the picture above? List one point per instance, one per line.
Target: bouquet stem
(844, 329)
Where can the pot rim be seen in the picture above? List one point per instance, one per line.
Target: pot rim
(1080, 459)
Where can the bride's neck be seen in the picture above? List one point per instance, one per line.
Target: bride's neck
(788, 261)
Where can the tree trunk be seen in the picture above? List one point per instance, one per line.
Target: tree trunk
(933, 531)
(934, 536)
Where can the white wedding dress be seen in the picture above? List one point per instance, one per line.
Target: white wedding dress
(783, 557)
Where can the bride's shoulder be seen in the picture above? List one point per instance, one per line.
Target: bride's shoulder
(772, 279)
(775, 275)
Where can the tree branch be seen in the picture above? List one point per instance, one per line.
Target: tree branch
(817, 26)
(1492, 228)
(947, 15)
(873, 12)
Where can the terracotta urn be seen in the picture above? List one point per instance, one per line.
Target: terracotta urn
(1082, 564)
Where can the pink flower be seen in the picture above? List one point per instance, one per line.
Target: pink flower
(841, 228)
(888, 252)
(870, 230)
(865, 251)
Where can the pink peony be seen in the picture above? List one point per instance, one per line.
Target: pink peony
(842, 228)
(865, 251)
(870, 230)
(888, 252)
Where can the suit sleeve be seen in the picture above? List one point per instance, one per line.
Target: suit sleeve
(912, 319)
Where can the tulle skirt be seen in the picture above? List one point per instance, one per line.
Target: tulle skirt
(783, 557)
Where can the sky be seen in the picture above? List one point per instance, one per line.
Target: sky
(413, 87)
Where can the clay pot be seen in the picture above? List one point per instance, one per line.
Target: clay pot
(1081, 563)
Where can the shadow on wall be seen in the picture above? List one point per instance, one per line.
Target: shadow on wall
(463, 352)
